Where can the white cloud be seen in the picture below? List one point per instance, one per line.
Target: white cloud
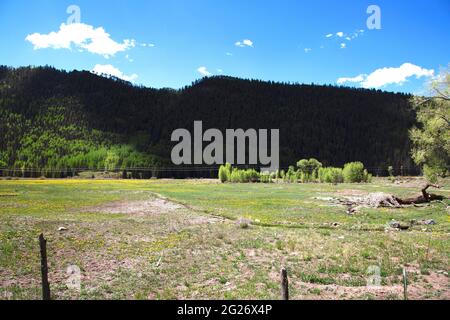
(329, 35)
(83, 37)
(244, 43)
(340, 34)
(109, 70)
(385, 76)
(204, 72)
(219, 70)
(307, 50)
(150, 45)
(359, 78)
(343, 45)
(229, 54)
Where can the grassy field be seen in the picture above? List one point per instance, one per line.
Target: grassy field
(165, 239)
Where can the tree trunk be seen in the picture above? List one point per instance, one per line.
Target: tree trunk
(425, 197)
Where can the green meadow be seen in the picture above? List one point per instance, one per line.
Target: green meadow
(189, 239)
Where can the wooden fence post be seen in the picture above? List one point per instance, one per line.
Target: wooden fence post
(284, 285)
(405, 285)
(44, 268)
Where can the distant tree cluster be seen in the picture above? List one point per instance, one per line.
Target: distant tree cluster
(307, 171)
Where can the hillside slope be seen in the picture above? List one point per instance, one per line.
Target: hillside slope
(53, 120)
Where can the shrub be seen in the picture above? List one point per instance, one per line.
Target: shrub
(309, 169)
(431, 174)
(265, 177)
(224, 173)
(235, 175)
(291, 175)
(111, 161)
(355, 172)
(331, 175)
(243, 176)
(278, 174)
(250, 175)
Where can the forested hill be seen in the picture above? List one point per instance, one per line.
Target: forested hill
(55, 119)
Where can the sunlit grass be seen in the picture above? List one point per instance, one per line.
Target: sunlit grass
(162, 256)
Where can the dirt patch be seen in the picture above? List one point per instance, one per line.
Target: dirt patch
(157, 206)
(141, 207)
(433, 286)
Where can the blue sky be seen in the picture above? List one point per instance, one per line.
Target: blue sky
(170, 43)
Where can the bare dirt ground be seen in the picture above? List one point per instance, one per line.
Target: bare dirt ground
(140, 208)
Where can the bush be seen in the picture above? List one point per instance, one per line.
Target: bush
(244, 176)
(225, 172)
(251, 175)
(278, 174)
(265, 177)
(355, 172)
(368, 177)
(111, 161)
(291, 175)
(330, 175)
(431, 174)
(309, 169)
(235, 176)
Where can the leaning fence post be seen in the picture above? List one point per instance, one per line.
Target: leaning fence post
(284, 285)
(405, 285)
(44, 268)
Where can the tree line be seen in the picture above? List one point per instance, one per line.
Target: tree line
(56, 120)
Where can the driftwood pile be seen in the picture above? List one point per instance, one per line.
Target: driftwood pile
(380, 199)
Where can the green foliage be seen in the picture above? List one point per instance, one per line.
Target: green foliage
(330, 175)
(111, 161)
(251, 175)
(244, 176)
(235, 175)
(352, 172)
(355, 172)
(225, 173)
(278, 174)
(265, 177)
(291, 175)
(431, 141)
(3, 163)
(432, 173)
(51, 142)
(308, 169)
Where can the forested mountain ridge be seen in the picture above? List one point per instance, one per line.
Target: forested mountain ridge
(56, 119)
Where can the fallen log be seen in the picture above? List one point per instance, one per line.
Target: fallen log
(380, 199)
(425, 197)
